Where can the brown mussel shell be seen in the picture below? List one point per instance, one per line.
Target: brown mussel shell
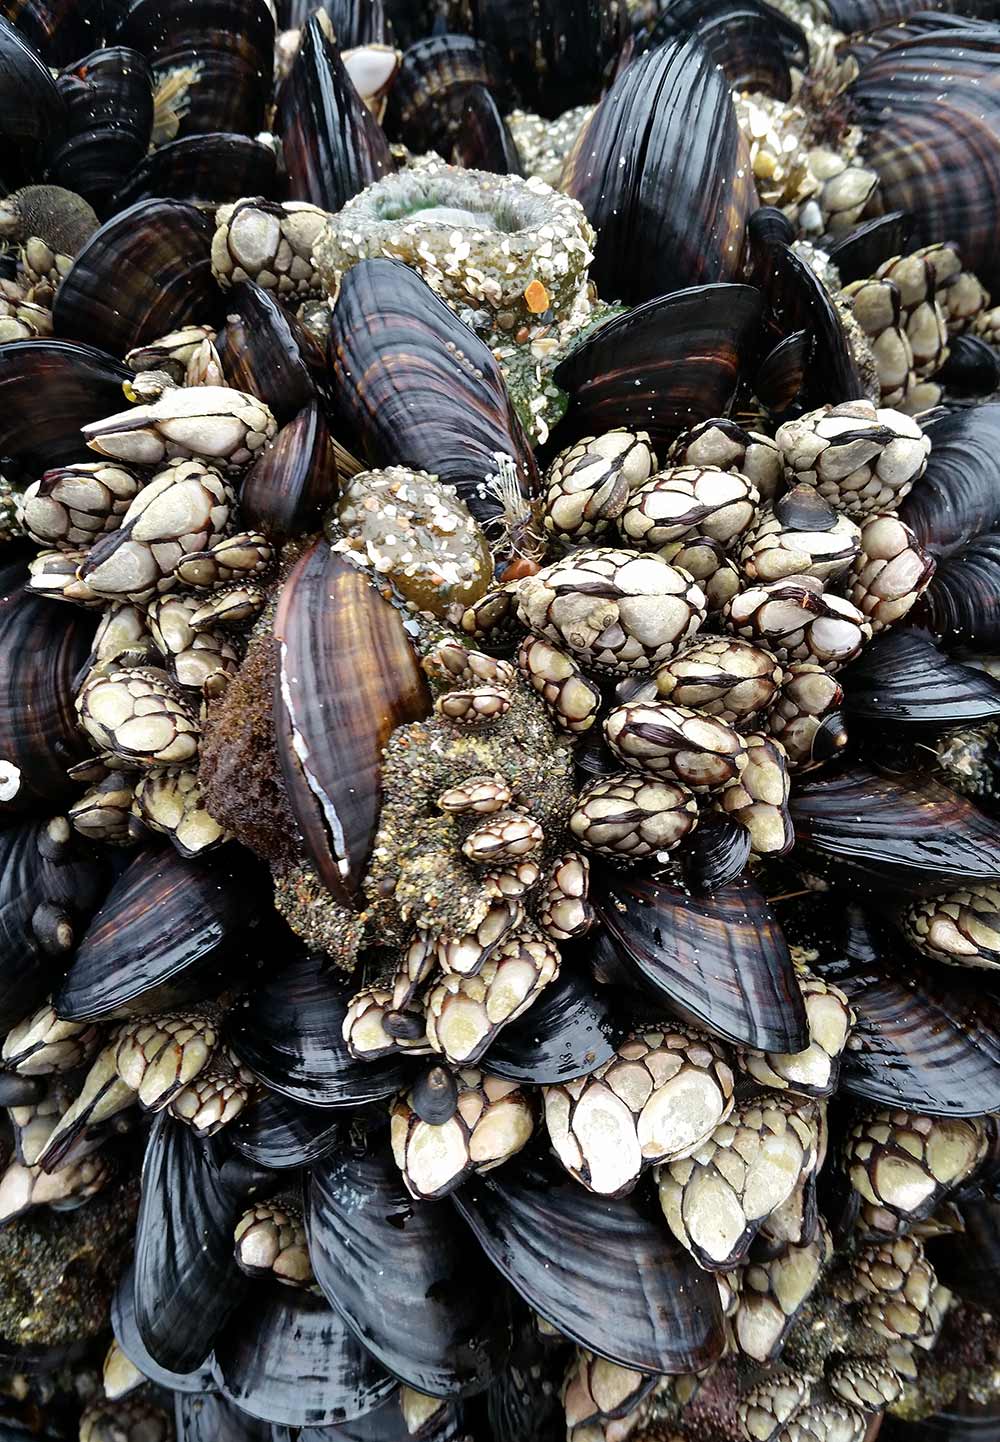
(961, 606)
(346, 669)
(416, 387)
(146, 272)
(902, 679)
(109, 107)
(48, 390)
(860, 252)
(59, 30)
(661, 367)
(355, 22)
(332, 144)
(958, 497)
(556, 54)
(483, 140)
(444, 1327)
(754, 43)
(42, 648)
(286, 489)
(212, 168)
(431, 71)
(719, 960)
(171, 931)
(264, 351)
(664, 174)
(567, 1250)
(905, 834)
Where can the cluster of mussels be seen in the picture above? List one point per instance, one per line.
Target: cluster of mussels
(499, 721)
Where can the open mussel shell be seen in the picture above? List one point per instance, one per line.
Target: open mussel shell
(958, 497)
(42, 647)
(798, 301)
(212, 1419)
(923, 1041)
(416, 387)
(187, 1284)
(211, 168)
(48, 390)
(220, 53)
(719, 960)
(286, 489)
(33, 113)
(290, 1033)
(146, 272)
(556, 55)
(929, 108)
(278, 1133)
(443, 1326)
(568, 1032)
(332, 144)
(568, 1251)
(754, 43)
(263, 351)
(129, 1339)
(661, 367)
(346, 669)
(663, 173)
(906, 834)
(903, 679)
(49, 886)
(109, 106)
(292, 1359)
(171, 931)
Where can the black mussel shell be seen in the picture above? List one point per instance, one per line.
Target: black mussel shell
(752, 42)
(972, 368)
(717, 853)
(146, 272)
(781, 375)
(443, 1326)
(968, 1262)
(109, 105)
(20, 1091)
(187, 1284)
(211, 168)
(853, 16)
(604, 1271)
(961, 606)
(720, 960)
(332, 144)
(33, 113)
(226, 49)
(434, 1095)
(59, 30)
(860, 252)
(664, 174)
(280, 1134)
(556, 54)
(430, 70)
(42, 648)
(286, 490)
(292, 1359)
(171, 931)
(387, 1424)
(355, 22)
(568, 1032)
(929, 108)
(922, 1040)
(416, 387)
(346, 669)
(961, 1421)
(958, 496)
(905, 834)
(804, 509)
(48, 887)
(483, 140)
(525, 1400)
(797, 300)
(126, 1330)
(263, 348)
(903, 679)
(663, 366)
(212, 1419)
(48, 390)
(290, 1032)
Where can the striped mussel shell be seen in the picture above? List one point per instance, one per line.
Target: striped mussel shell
(754, 43)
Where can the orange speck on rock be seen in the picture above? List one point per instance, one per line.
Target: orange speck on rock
(518, 568)
(536, 297)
